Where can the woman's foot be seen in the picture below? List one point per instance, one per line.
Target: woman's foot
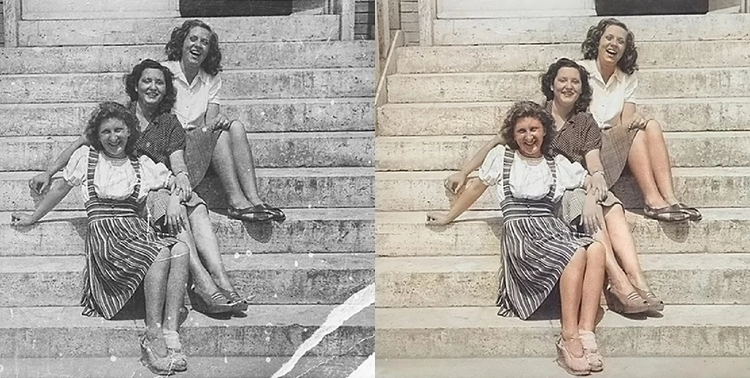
(631, 303)
(654, 303)
(571, 356)
(174, 350)
(693, 213)
(154, 354)
(216, 303)
(239, 304)
(591, 350)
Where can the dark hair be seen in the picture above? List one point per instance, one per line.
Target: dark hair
(590, 46)
(548, 80)
(109, 110)
(526, 109)
(131, 83)
(173, 50)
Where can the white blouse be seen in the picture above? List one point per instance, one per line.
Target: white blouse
(193, 98)
(608, 98)
(115, 178)
(530, 178)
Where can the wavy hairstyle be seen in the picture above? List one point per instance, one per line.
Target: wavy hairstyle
(173, 50)
(590, 46)
(548, 80)
(526, 109)
(131, 84)
(112, 110)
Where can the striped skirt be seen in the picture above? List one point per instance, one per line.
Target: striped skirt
(119, 251)
(536, 249)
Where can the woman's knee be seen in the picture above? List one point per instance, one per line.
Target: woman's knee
(595, 252)
(180, 251)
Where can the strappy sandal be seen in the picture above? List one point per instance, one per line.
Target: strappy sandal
(275, 212)
(572, 364)
(692, 212)
(216, 303)
(250, 214)
(239, 304)
(591, 351)
(665, 214)
(654, 303)
(160, 365)
(633, 303)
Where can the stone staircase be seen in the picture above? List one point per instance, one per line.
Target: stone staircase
(436, 286)
(306, 97)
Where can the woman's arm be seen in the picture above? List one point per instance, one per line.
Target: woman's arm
(456, 181)
(182, 178)
(58, 190)
(40, 183)
(630, 117)
(597, 184)
(215, 118)
(473, 191)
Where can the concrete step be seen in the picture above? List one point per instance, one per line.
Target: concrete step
(225, 367)
(445, 281)
(243, 55)
(515, 30)
(304, 231)
(284, 187)
(477, 332)
(702, 187)
(704, 114)
(157, 30)
(286, 278)
(280, 115)
(537, 58)
(427, 153)
(400, 234)
(268, 330)
(270, 150)
(504, 86)
(529, 367)
(239, 84)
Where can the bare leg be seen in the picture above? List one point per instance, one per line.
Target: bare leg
(592, 287)
(201, 277)
(155, 291)
(660, 164)
(244, 164)
(208, 252)
(571, 285)
(617, 277)
(222, 161)
(640, 165)
(175, 288)
(624, 248)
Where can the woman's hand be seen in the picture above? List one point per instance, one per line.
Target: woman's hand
(40, 183)
(182, 186)
(455, 183)
(21, 219)
(222, 122)
(437, 219)
(174, 221)
(638, 122)
(592, 217)
(597, 185)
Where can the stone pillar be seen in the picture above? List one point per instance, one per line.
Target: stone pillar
(83, 9)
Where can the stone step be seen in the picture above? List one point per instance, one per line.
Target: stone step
(286, 278)
(270, 150)
(471, 332)
(157, 30)
(225, 367)
(537, 58)
(268, 330)
(545, 30)
(701, 187)
(281, 115)
(429, 153)
(243, 55)
(239, 84)
(400, 234)
(704, 114)
(473, 280)
(504, 86)
(535, 367)
(308, 231)
(284, 187)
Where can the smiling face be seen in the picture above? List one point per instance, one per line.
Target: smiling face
(151, 88)
(612, 45)
(195, 47)
(113, 135)
(529, 135)
(567, 86)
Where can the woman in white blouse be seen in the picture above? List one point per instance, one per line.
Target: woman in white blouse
(122, 250)
(610, 57)
(538, 249)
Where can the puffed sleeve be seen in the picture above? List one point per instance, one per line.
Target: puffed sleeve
(630, 87)
(153, 175)
(213, 90)
(492, 168)
(570, 175)
(75, 171)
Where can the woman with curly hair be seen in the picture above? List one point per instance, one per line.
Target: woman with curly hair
(610, 56)
(122, 250)
(540, 251)
(213, 139)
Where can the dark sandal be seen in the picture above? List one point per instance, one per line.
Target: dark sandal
(251, 214)
(275, 212)
(666, 214)
(692, 212)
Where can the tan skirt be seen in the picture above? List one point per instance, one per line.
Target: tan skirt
(200, 144)
(570, 207)
(156, 206)
(616, 144)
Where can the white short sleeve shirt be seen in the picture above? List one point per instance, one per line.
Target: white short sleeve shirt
(193, 98)
(608, 98)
